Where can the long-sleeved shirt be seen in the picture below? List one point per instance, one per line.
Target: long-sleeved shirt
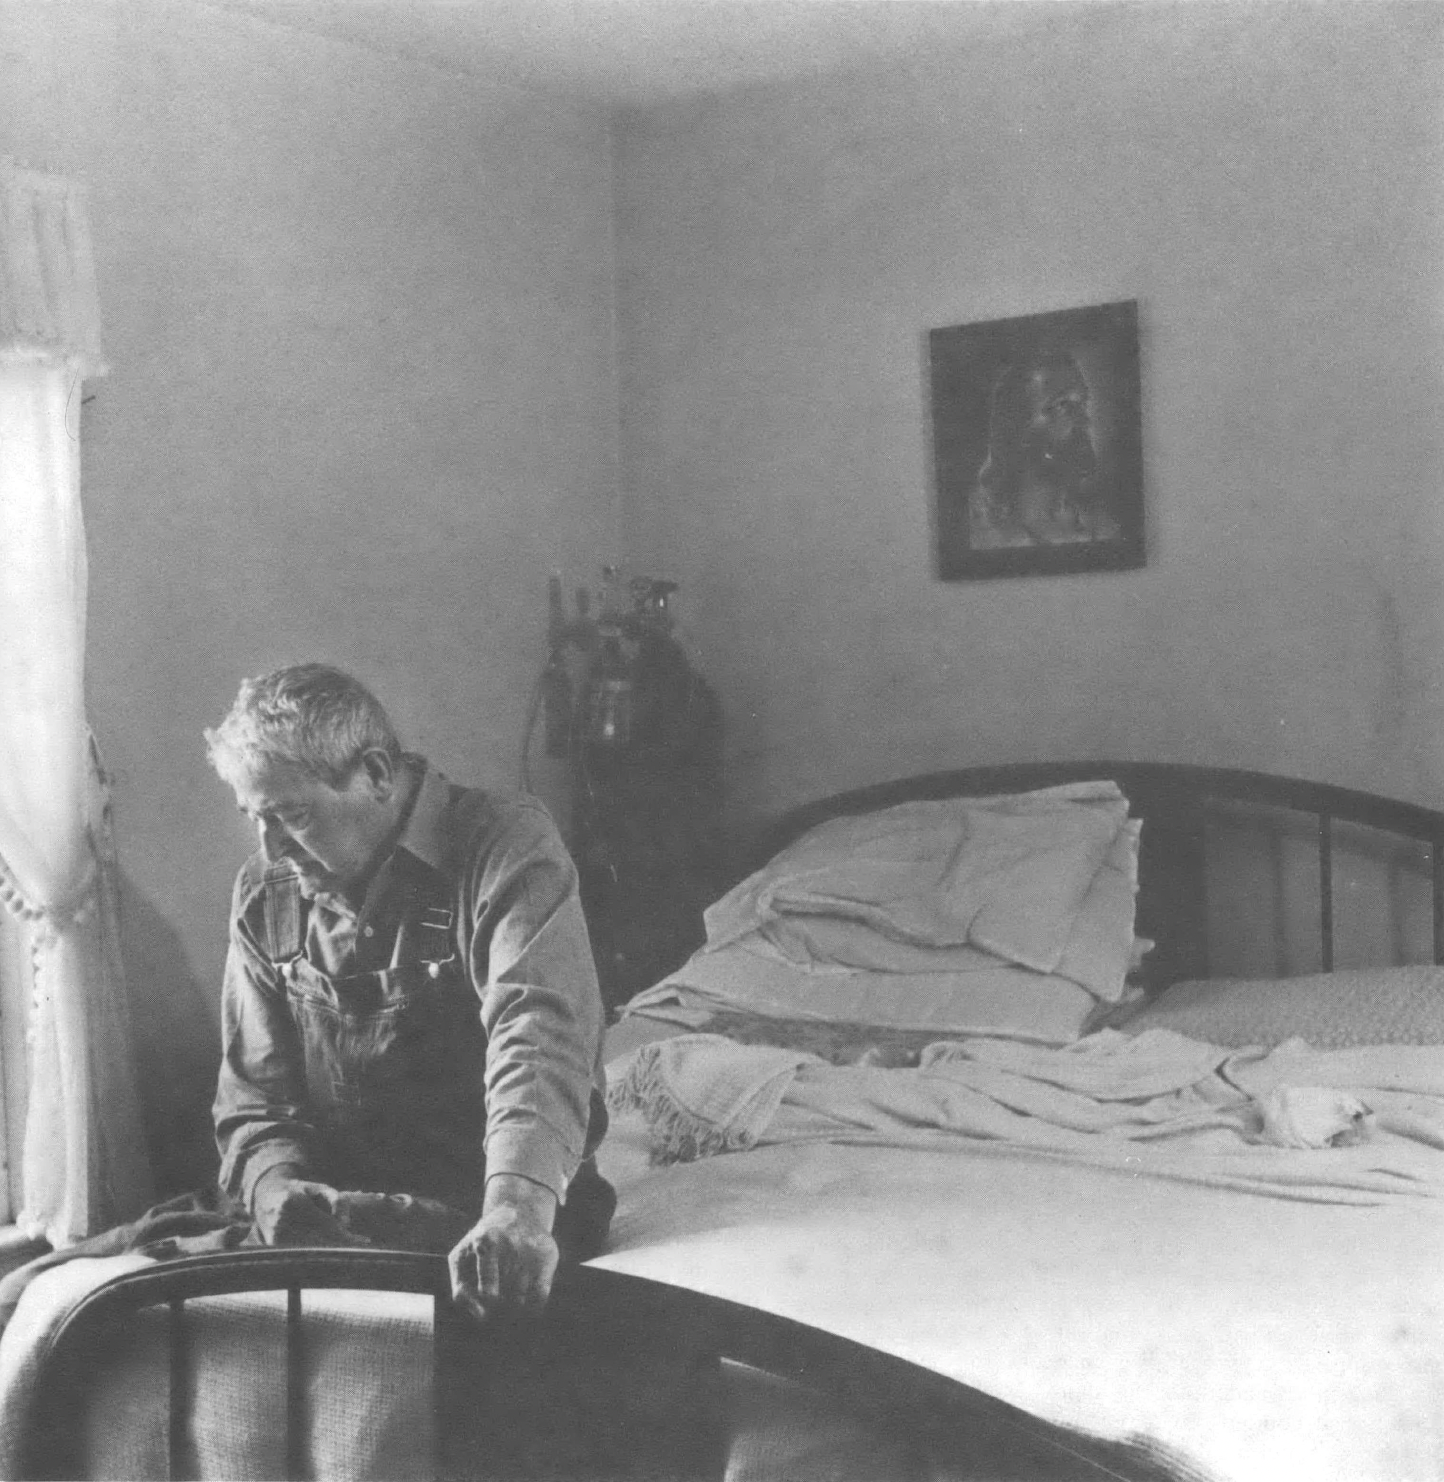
(448, 1031)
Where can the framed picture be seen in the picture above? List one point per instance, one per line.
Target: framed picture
(1037, 445)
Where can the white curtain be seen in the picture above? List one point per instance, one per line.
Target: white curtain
(84, 1164)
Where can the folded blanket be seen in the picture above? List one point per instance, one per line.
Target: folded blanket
(1042, 880)
(703, 1094)
(1158, 1104)
(25, 1341)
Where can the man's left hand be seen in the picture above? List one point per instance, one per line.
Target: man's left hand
(506, 1262)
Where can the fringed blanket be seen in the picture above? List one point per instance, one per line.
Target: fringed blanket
(1346, 1126)
(702, 1094)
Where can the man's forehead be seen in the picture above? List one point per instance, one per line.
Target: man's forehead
(273, 784)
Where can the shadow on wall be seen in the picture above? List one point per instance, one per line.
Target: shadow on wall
(177, 1046)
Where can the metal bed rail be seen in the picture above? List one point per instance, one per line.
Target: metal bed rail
(953, 1423)
(1172, 798)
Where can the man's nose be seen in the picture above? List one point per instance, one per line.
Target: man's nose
(273, 839)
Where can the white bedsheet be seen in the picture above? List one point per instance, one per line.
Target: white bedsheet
(1259, 1338)
(1352, 1126)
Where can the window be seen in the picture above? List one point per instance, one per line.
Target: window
(82, 1163)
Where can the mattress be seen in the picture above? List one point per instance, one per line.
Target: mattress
(1250, 1337)
(1256, 1338)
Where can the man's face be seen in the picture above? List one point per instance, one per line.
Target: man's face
(330, 835)
(1060, 440)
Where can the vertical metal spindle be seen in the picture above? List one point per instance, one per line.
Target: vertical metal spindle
(1326, 891)
(440, 1377)
(458, 1385)
(296, 1417)
(178, 1458)
(1436, 861)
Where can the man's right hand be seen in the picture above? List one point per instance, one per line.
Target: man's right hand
(290, 1210)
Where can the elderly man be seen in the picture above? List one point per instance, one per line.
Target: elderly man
(410, 1005)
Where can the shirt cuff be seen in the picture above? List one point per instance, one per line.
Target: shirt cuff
(260, 1161)
(533, 1152)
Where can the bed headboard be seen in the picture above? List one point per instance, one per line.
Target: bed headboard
(1175, 802)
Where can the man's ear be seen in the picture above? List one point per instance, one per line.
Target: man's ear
(380, 772)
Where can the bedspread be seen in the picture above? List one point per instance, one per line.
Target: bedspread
(1266, 1340)
(1157, 1104)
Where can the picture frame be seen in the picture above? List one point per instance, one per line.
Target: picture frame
(1037, 444)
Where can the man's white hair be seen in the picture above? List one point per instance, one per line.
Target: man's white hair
(312, 716)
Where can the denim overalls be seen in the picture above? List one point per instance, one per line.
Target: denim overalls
(395, 1063)
(395, 1058)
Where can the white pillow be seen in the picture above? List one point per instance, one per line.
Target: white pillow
(747, 977)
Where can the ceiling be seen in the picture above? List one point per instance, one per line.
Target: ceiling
(637, 52)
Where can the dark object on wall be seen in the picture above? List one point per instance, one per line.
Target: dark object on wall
(1037, 444)
(644, 733)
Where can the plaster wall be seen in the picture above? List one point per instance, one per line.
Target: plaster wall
(360, 317)
(1266, 181)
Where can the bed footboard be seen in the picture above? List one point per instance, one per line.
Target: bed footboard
(638, 1379)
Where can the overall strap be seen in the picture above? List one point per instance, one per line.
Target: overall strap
(438, 930)
(284, 915)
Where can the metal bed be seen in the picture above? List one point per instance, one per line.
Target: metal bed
(957, 1430)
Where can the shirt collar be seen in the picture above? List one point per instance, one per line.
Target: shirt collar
(424, 833)
(422, 837)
